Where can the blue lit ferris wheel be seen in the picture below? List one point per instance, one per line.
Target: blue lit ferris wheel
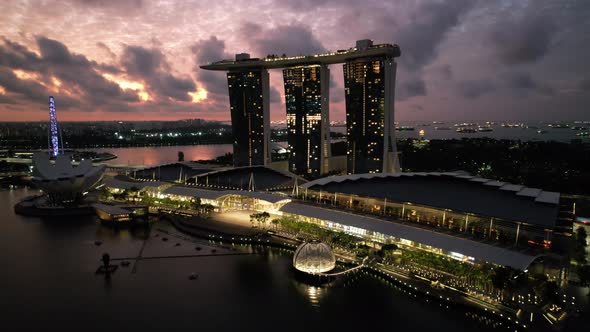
(53, 129)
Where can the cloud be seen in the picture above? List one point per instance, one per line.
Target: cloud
(107, 50)
(113, 7)
(412, 88)
(523, 82)
(584, 84)
(429, 25)
(293, 39)
(150, 66)
(275, 95)
(472, 89)
(206, 51)
(523, 40)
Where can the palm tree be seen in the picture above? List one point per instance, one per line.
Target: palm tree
(263, 218)
(196, 205)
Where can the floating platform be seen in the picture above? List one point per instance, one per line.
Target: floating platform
(111, 269)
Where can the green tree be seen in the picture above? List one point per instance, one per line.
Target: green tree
(584, 275)
(581, 236)
(253, 219)
(196, 205)
(262, 218)
(206, 210)
(180, 156)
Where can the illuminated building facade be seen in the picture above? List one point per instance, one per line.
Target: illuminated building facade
(249, 104)
(307, 100)
(370, 83)
(369, 91)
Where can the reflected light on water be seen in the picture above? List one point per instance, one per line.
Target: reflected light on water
(314, 294)
(151, 156)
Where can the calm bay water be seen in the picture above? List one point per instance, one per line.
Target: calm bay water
(48, 282)
(151, 156)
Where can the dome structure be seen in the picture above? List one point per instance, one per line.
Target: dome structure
(314, 257)
(63, 182)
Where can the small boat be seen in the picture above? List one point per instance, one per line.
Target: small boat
(541, 131)
(442, 128)
(466, 130)
(583, 134)
(484, 128)
(193, 276)
(404, 128)
(558, 126)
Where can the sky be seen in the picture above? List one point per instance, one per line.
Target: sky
(462, 60)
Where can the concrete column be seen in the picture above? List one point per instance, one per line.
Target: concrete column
(266, 114)
(326, 150)
(390, 159)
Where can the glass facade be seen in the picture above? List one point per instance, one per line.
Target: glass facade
(459, 223)
(369, 84)
(307, 118)
(248, 98)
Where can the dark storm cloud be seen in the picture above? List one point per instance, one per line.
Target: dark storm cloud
(107, 50)
(113, 7)
(294, 39)
(78, 73)
(206, 51)
(75, 72)
(275, 96)
(5, 100)
(524, 82)
(584, 84)
(150, 66)
(412, 88)
(30, 89)
(473, 89)
(444, 72)
(16, 56)
(53, 51)
(428, 27)
(523, 40)
(141, 61)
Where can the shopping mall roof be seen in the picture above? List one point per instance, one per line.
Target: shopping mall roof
(446, 242)
(456, 191)
(216, 194)
(265, 178)
(140, 185)
(194, 192)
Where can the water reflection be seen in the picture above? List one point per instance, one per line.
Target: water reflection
(151, 156)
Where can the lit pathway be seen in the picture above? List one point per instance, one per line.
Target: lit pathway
(352, 269)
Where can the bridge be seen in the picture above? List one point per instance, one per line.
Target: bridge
(335, 274)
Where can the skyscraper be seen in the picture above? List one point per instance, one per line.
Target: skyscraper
(249, 104)
(308, 135)
(369, 91)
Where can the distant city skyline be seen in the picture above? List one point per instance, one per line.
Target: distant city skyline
(138, 60)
